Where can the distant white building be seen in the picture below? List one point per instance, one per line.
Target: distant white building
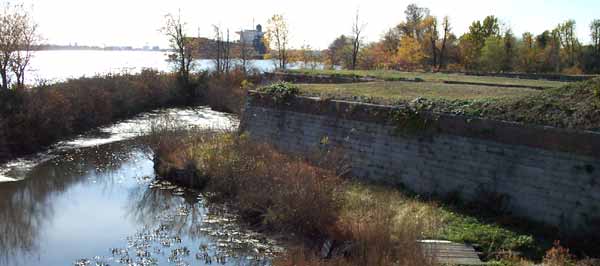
(255, 38)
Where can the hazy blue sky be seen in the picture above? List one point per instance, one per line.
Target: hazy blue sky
(315, 22)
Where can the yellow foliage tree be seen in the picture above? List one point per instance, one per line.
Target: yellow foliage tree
(410, 54)
(373, 56)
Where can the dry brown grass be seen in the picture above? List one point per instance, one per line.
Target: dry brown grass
(512, 259)
(370, 225)
(379, 233)
(35, 117)
(290, 194)
(373, 242)
(559, 256)
(169, 143)
(287, 193)
(385, 233)
(306, 257)
(226, 92)
(556, 256)
(269, 188)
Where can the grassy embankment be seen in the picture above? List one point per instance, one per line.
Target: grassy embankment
(33, 118)
(391, 75)
(575, 105)
(290, 194)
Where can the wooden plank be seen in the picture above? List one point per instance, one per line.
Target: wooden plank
(448, 253)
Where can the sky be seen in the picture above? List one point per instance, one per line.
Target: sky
(313, 22)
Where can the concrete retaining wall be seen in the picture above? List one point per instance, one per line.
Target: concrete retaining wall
(548, 175)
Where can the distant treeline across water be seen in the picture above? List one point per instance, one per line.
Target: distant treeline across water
(59, 65)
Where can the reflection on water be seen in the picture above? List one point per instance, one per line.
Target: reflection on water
(41, 209)
(198, 117)
(99, 205)
(179, 228)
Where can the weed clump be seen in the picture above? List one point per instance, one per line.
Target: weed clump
(281, 92)
(226, 92)
(269, 188)
(371, 230)
(412, 119)
(290, 194)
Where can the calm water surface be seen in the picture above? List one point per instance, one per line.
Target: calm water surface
(94, 200)
(59, 65)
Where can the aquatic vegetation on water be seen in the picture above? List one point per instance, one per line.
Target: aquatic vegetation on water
(225, 241)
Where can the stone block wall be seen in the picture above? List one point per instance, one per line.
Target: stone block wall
(548, 175)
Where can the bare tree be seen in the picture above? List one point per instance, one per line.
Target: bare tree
(431, 31)
(28, 37)
(182, 46)
(568, 39)
(595, 29)
(555, 57)
(447, 29)
(8, 43)
(18, 35)
(227, 54)
(221, 53)
(217, 53)
(278, 33)
(246, 52)
(357, 30)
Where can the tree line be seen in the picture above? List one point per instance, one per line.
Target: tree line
(425, 42)
(420, 42)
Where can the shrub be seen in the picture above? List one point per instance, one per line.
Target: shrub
(574, 70)
(286, 192)
(36, 117)
(373, 232)
(269, 188)
(510, 259)
(304, 196)
(558, 256)
(384, 233)
(410, 121)
(281, 92)
(226, 92)
(166, 140)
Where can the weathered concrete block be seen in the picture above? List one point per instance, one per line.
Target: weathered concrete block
(549, 175)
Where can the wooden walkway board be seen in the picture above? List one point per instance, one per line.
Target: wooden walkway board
(448, 253)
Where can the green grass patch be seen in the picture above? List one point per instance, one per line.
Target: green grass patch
(490, 236)
(394, 91)
(574, 106)
(391, 75)
(445, 222)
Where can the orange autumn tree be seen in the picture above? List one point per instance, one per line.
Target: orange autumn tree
(410, 54)
(374, 56)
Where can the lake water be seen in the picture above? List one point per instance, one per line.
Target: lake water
(94, 200)
(60, 65)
